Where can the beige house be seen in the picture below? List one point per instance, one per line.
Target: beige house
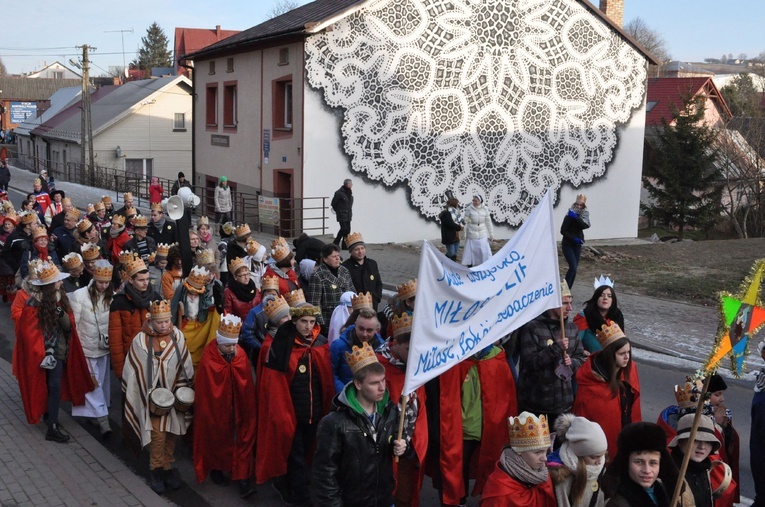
(143, 127)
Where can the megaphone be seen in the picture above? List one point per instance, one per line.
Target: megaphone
(174, 207)
(188, 198)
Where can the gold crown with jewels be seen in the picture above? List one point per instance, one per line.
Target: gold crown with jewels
(528, 432)
(118, 220)
(359, 357)
(353, 239)
(141, 221)
(135, 266)
(252, 246)
(163, 249)
(279, 241)
(276, 309)
(197, 280)
(295, 297)
(230, 325)
(401, 324)
(159, 310)
(609, 333)
(90, 251)
(242, 230)
(407, 290)
(235, 264)
(687, 394)
(280, 252)
(269, 282)
(72, 260)
(103, 271)
(205, 256)
(362, 300)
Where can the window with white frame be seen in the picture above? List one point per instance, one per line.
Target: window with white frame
(139, 167)
(179, 121)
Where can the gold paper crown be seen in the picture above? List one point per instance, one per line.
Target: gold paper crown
(407, 290)
(235, 264)
(67, 200)
(687, 394)
(609, 333)
(90, 251)
(528, 433)
(276, 309)
(228, 228)
(73, 213)
(305, 310)
(90, 208)
(39, 232)
(359, 357)
(126, 256)
(163, 249)
(352, 239)
(72, 260)
(84, 225)
(127, 195)
(252, 246)
(103, 271)
(118, 220)
(197, 280)
(135, 266)
(151, 258)
(565, 291)
(295, 297)
(34, 268)
(130, 211)
(37, 181)
(581, 198)
(156, 206)
(363, 300)
(11, 217)
(230, 325)
(106, 199)
(99, 206)
(401, 324)
(47, 272)
(141, 221)
(28, 217)
(279, 241)
(242, 230)
(280, 252)
(269, 282)
(205, 256)
(203, 220)
(160, 310)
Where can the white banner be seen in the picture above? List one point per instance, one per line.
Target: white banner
(459, 311)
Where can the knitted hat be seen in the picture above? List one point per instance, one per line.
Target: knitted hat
(583, 437)
(704, 433)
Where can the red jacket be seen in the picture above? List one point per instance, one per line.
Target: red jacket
(284, 286)
(236, 306)
(595, 401)
(155, 193)
(504, 491)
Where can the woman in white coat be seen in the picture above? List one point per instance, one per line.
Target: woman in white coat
(478, 232)
(90, 306)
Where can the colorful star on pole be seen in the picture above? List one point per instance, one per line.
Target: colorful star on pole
(741, 317)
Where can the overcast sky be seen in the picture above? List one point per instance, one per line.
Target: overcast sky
(42, 31)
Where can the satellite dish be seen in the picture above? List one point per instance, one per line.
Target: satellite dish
(174, 207)
(188, 197)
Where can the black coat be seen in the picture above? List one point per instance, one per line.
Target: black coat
(450, 231)
(5, 174)
(16, 244)
(350, 467)
(573, 228)
(168, 234)
(342, 203)
(308, 248)
(366, 278)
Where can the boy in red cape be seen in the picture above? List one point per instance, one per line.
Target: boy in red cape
(295, 390)
(483, 384)
(224, 438)
(409, 471)
(520, 478)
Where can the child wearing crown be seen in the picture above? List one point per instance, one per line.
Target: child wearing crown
(158, 359)
(356, 442)
(224, 410)
(520, 478)
(602, 306)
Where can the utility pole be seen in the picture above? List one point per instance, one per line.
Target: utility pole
(86, 128)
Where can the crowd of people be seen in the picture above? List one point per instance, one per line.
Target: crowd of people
(287, 366)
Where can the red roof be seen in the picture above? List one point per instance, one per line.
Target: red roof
(190, 40)
(666, 93)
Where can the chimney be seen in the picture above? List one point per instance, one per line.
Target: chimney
(217, 31)
(614, 9)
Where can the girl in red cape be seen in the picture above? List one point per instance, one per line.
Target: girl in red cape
(609, 387)
(50, 365)
(520, 478)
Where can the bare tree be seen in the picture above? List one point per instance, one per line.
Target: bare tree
(3, 70)
(282, 7)
(651, 41)
(742, 174)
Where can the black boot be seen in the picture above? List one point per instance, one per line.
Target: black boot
(54, 434)
(172, 481)
(156, 482)
(246, 488)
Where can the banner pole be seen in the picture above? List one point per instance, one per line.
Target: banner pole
(691, 438)
(404, 400)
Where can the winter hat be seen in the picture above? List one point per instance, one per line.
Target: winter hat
(181, 175)
(717, 383)
(705, 432)
(222, 179)
(642, 436)
(582, 436)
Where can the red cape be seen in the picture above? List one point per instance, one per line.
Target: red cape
(501, 490)
(224, 415)
(394, 380)
(275, 412)
(499, 402)
(595, 401)
(29, 352)
(284, 287)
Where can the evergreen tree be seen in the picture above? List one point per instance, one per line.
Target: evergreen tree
(742, 96)
(682, 178)
(154, 51)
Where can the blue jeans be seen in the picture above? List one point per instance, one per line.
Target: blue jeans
(53, 378)
(452, 248)
(572, 254)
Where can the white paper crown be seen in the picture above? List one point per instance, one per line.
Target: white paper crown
(600, 282)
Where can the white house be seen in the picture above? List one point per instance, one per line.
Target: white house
(414, 99)
(141, 126)
(55, 70)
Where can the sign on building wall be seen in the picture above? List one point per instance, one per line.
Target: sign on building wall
(22, 111)
(268, 210)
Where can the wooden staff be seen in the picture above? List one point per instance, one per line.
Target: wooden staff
(404, 400)
(691, 438)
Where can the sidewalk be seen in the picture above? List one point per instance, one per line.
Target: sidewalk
(80, 472)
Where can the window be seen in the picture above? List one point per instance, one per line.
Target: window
(284, 56)
(230, 65)
(139, 167)
(211, 105)
(229, 105)
(650, 105)
(179, 122)
(282, 105)
(212, 66)
(288, 105)
(58, 74)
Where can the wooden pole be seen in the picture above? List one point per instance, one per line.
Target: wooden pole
(691, 438)
(404, 400)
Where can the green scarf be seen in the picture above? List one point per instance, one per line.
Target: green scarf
(353, 401)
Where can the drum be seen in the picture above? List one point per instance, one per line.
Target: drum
(161, 401)
(184, 399)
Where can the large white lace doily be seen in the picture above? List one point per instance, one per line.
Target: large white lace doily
(499, 97)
